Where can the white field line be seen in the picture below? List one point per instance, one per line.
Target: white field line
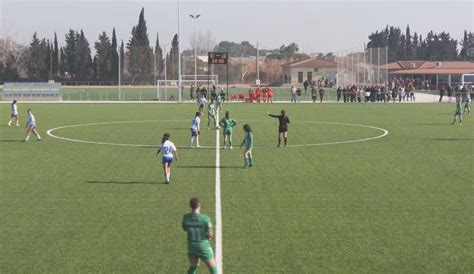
(218, 204)
(51, 134)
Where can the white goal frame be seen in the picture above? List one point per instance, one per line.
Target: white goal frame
(163, 85)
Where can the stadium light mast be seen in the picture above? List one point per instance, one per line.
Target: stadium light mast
(195, 17)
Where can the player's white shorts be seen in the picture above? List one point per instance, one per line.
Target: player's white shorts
(14, 113)
(32, 126)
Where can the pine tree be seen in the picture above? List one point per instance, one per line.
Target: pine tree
(84, 64)
(10, 72)
(103, 60)
(37, 65)
(70, 54)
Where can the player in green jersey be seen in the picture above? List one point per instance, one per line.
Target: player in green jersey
(199, 229)
(458, 112)
(248, 142)
(227, 124)
(211, 113)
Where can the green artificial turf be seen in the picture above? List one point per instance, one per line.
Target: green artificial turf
(401, 203)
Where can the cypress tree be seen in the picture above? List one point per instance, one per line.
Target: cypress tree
(140, 54)
(114, 57)
(159, 56)
(55, 56)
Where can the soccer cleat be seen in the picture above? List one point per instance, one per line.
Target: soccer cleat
(231, 148)
(198, 146)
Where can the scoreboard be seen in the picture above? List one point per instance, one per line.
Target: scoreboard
(217, 58)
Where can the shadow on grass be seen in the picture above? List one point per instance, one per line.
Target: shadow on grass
(433, 124)
(11, 141)
(207, 167)
(451, 139)
(125, 183)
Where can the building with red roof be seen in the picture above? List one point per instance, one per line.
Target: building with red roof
(438, 72)
(309, 69)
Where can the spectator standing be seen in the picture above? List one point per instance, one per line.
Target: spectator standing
(305, 85)
(314, 94)
(293, 94)
(442, 91)
(321, 94)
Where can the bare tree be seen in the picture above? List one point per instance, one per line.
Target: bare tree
(205, 42)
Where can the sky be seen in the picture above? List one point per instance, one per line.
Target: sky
(316, 26)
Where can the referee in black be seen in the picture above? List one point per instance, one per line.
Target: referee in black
(282, 127)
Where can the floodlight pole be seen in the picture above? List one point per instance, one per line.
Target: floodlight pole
(119, 74)
(179, 54)
(195, 17)
(258, 62)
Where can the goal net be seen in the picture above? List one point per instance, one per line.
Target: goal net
(167, 90)
(32, 92)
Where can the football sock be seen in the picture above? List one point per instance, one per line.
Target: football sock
(38, 136)
(9, 123)
(286, 140)
(213, 269)
(246, 161)
(27, 138)
(197, 141)
(193, 270)
(191, 141)
(279, 141)
(230, 143)
(251, 161)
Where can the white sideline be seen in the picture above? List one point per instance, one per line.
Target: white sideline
(218, 204)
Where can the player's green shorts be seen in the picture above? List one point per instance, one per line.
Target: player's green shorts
(249, 148)
(204, 253)
(458, 112)
(227, 131)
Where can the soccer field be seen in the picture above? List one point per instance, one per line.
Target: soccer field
(345, 196)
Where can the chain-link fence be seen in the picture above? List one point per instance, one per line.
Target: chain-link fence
(362, 66)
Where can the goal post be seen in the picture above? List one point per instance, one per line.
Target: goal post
(168, 90)
(32, 91)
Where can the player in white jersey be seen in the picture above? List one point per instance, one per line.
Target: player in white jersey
(14, 114)
(195, 130)
(202, 103)
(211, 113)
(31, 126)
(169, 153)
